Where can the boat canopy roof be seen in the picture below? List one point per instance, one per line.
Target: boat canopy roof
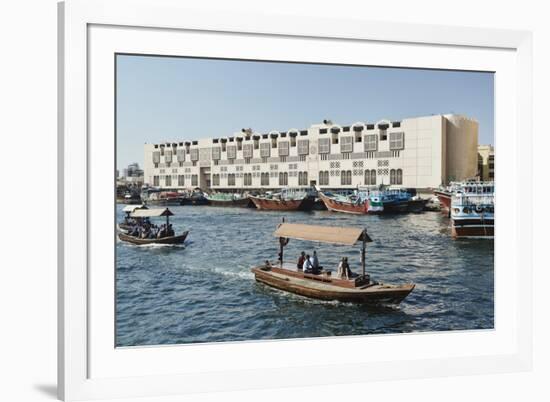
(132, 208)
(325, 234)
(149, 213)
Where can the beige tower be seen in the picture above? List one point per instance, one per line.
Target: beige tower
(461, 147)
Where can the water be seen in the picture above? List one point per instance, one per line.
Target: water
(203, 291)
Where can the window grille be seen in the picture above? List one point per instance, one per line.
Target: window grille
(396, 141)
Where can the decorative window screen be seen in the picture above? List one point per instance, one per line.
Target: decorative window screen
(231, 152)
(215, 179)
(156, 157)
(283, 148)
(194, 180)
(167, 156)
(181, 180)
(248, 151)
(324, 145)
(216, 153)
(303, 147)
(180, 154)
(371, 143)
(265, 150)
(194, 154)
(346, 144)
(397, 141)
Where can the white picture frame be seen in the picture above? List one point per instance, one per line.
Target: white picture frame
(89, 365)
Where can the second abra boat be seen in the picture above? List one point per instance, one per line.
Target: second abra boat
(144, 229)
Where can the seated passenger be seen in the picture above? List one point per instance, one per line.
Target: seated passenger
(308, 266)
(344, 271)
(170, 231)
(315, 261)
(301, 260)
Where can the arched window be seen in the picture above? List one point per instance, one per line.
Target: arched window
(286, 178)
(373, 177)
(392, 176)
(399, 177)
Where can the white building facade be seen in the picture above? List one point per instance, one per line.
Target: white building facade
(422, 152)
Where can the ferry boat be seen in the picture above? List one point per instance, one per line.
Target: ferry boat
(229, 200)
(288, 199)
(444, 194)
(128, 221)
(372, 201)
(473, 211)
(358, 288)
(142, 214)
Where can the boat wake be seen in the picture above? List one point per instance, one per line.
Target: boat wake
(153, 245)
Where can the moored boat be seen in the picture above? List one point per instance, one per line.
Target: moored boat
(473, 212)
(322, 284)
(229, 200)
(373, 201)
(286, 200)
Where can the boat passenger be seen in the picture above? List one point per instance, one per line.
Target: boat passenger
(315, 261)
(301, 260)
(344, 271)
(308, 266)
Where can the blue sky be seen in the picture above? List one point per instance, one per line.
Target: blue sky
(168, 98)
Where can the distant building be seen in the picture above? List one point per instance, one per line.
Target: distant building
(133, 170)
(486, 162)
(132, 175)
(421, 152)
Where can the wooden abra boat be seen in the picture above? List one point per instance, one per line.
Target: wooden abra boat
(139, 215)
(323, 285)
(163, 240)
(128, 209)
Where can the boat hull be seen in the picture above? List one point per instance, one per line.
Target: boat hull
(304, 204)
(164, 240)
(472, 228)
(344, 207)
(240, 203)
(444, 200)
(322, 289)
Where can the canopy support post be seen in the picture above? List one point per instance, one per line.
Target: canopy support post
(363, 250)
(281, 248)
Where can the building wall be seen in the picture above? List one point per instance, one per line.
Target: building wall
(426, 150)
(461, 153)
(486, 161)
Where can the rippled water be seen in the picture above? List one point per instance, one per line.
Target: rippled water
(204, 291)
